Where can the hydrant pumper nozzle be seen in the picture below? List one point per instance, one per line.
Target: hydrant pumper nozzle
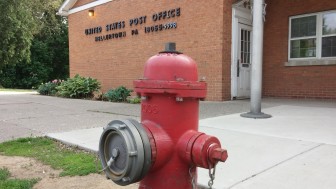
(163, 150)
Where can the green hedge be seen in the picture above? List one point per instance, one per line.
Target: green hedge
(119, 94)
(78, 87)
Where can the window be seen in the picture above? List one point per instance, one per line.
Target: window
(329, 35)
(245, 46)
(313, 36)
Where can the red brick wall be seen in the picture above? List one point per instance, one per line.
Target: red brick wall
(203, 32)
(226, 56)
(296, 82)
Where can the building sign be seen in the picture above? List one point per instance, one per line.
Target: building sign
(117, 29)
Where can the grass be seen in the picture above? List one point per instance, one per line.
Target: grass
(6, 183)
(72, 162)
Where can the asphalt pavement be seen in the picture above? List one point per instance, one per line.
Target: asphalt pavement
(296, 148)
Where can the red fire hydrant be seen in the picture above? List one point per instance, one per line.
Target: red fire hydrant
(164, 150)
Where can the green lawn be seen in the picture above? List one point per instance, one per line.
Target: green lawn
(71, 161)
(6, 183)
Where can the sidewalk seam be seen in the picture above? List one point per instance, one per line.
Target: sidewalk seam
(97, 111)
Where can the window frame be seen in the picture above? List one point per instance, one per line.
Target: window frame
(319, 35)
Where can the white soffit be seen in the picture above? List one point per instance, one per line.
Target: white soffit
(66, 8)
(240, 3)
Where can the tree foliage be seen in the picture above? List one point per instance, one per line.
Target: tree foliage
(17, 26)
(34, 43)
(50, 45)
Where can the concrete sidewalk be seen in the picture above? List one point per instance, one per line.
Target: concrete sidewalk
(296, 148)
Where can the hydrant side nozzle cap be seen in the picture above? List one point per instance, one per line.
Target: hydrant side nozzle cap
(170, 47)
(125, 151)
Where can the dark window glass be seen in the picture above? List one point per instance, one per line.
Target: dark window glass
(329, 46)
(303, 27)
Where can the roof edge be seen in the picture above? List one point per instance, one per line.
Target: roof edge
(66, 8)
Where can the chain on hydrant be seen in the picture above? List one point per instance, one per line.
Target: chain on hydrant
(192, 177)
(165, 149)
(211, 175)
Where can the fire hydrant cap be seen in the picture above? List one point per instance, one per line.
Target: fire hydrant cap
(125, 152)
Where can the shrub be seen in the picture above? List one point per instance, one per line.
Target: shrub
(78, 87)
(49, 88)
(134, 100)
(119, 94)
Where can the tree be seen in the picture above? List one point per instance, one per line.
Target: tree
(17, 27)
(50, 45)
(40, 53)
(19, 22)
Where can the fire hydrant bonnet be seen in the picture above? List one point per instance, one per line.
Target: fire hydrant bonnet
(171, 73)
(171, 67)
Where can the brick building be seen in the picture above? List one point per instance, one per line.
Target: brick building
(299, 43)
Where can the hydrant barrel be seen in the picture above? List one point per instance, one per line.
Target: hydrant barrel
(170, 93)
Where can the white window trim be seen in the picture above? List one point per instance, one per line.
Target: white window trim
(311, 61)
